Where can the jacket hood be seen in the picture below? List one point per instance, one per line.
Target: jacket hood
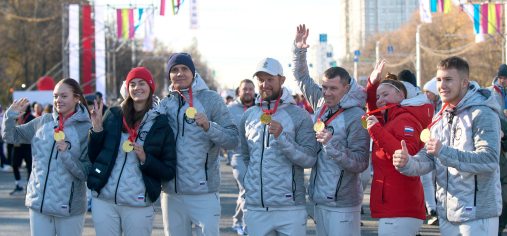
(419, 106)
(285, 100)
(412, 91)
(80, 115)
(198, 84)
(239, 103)
(477, 96)
(495, 82)
(355, 97)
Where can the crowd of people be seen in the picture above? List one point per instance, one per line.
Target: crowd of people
(437, 154)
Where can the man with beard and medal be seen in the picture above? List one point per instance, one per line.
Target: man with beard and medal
(335, 184)
(277, 143)
(202, 125)
(245, 100)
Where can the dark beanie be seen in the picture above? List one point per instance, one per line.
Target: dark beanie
(181, 59)
(502, 71)
(407, 76)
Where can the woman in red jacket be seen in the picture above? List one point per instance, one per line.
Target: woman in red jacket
(396, 199)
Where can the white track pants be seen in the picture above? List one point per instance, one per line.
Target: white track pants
(428, 181)
(276, 223)
(180, 211)
(337, 223)
(46, 225)
(239, 170)
(399, 226)
(481, 227)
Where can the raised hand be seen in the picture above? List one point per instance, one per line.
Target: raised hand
(400, 157)
(96, 117)
(375, 75)
(19, 106)
(301, 36)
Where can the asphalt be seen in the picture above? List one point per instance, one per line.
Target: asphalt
(14, 216)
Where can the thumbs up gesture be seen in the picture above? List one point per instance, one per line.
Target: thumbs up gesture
(400, 157)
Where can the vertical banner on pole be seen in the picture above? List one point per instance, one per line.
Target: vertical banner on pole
(162, 7)
(100, 51)
(491, 19)
(484, 19)
(149, 38)
(119, 24)
(132, 28)
(498, 9)
(74, 41)
(424, 11)
(194, 14)
(433, 5)
(87, 47)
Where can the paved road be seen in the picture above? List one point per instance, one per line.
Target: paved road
(14, 219)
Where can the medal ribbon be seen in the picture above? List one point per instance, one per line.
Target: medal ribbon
(132, 132)
(269, 112)
(332, 117)
(191, 102)
(380, 109)
(61, 121)
(440, 116)
(24, 119)
(246, 106)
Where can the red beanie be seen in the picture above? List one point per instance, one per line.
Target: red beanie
(141, 73)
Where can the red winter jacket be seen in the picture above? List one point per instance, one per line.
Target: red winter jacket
(392, 193)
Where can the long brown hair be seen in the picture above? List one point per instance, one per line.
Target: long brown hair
(131, 116)
(76, 90)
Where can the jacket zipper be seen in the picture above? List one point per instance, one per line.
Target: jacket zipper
(47, 175)
(451, 118)
(119, 177)
(262, 157)
(178, 125)
(293, 184)
(267, 143)
(316, 166)
(71, 196)
(475, 192)
(206, 167)
(338, 185)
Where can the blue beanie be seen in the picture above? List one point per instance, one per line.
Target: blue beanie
(180, 59)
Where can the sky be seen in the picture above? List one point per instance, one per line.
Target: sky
(234, 35)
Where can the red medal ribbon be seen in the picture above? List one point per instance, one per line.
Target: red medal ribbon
(132, 132)
(269, 112)
(61, 121)
(191, 102)
(246, 106)
(24, 119)
(439, 114)
(380, 109)
(332, 117)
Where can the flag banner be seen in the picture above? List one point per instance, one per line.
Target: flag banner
(125, 23)
(440, 5)
(119, 22)
(162, 7)
(473, 11)
(132, 28)
(74, 41)
(447, 6)
(87, 49)
(433, 5)
(424, 9)
(100, 51)
(484, 18)
(149, 35)
(194, 14)
(498, 9)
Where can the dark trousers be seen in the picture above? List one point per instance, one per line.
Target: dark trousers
(3, 159)
(502, 220)
(24, 152)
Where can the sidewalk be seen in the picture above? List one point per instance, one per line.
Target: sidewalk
(14, 219)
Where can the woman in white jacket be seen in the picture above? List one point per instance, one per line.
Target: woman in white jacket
(56, 192)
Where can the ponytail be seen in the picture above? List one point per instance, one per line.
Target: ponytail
(76, 89)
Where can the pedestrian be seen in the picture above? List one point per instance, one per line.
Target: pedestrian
(101, 101)
(21, 152)
(56, 192)
(464, 148)
(237, 108)
(410, 83)
(335, 187)
(48, 109)
(499, 89)
(396, 199)
(4, 162)
(202, 125)
(277, 143)
(132, 151)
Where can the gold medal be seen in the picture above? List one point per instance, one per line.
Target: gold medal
(319, 126)
(364, 122)
(59, 136)
(265, 118)
(425, 135)
(191, 112)
(126, 146)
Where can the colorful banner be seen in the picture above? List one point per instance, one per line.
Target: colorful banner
(162, 7)
(498, 9)
(473, 11)
(484, 18)
(194, 14)
(74, 41)
(447, 6)
(100, 51)
(149, 35)
(433, 5)
(440, 5)
(125, 23)
(424, 9)
(87, 49)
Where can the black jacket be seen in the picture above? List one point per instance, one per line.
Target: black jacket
(159, 146)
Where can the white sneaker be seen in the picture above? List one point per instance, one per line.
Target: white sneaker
(6, 168)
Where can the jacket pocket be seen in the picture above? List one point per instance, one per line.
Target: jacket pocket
(338, 185)
(71, 196)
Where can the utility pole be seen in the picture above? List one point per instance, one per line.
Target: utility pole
(355, 67)
(133, 53)
(418, 54)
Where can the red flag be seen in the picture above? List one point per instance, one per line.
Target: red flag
(87, 47)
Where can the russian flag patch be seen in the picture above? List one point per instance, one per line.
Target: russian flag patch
(469, 208)
(329, 197)
(202, 183)
(288, 195)
(65, 207)
(409, 131)
(140, 197)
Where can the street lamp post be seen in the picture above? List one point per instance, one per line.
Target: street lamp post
(418, 54)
